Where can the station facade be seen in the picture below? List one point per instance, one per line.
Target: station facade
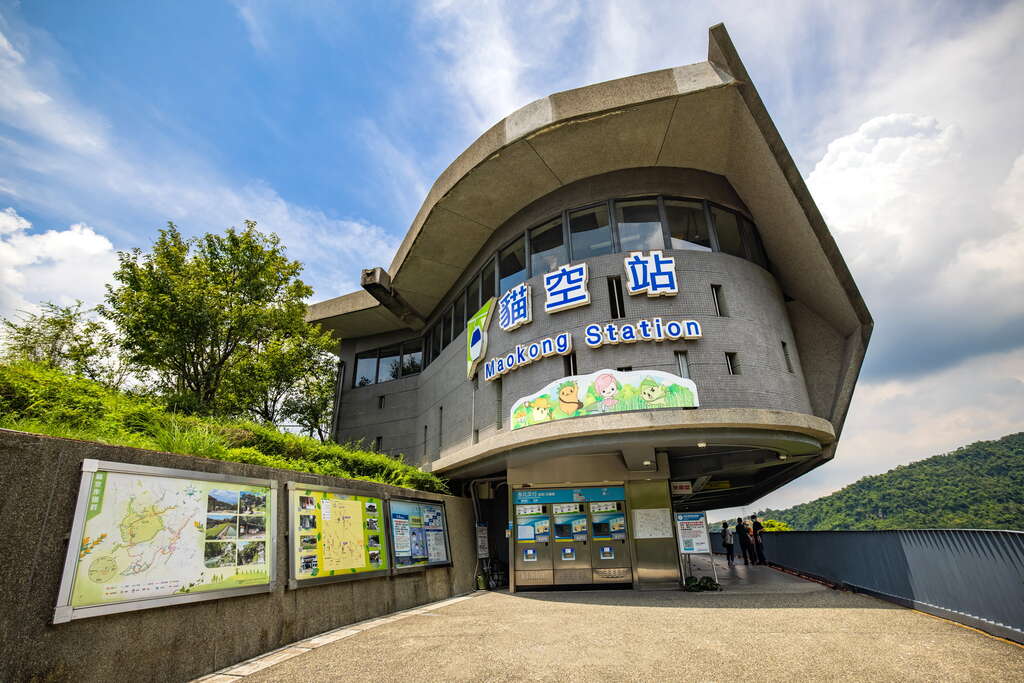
(619, 303)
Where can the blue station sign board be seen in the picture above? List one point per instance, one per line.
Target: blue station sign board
(583, 495)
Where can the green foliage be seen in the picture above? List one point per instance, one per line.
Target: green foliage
(67, 338)
(980, 486)
(698, 585)
(310, 401)
(41, 399)
(190, 308)
(775, 525)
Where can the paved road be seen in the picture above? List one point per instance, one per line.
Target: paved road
(767, 625)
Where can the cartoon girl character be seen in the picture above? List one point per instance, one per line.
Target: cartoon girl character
(607, 388)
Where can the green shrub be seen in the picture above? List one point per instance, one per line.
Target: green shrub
(42, 400)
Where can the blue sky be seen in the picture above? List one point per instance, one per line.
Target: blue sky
(327, 123)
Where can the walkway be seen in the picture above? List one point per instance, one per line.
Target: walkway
(767, 625)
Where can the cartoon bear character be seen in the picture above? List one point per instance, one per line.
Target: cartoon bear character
(606, 387)
(568, 398)
(540, 410)
(653, 393)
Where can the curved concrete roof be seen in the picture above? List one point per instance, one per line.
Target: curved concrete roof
(706, 116)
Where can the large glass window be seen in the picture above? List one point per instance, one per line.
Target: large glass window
(590, 232)
(390, 365)
(435, 339)
(412, 357)
(459, 316)
(639, 225)
(366, 369)
(754, 245)
(727, 227)
(512, 265)
(486, 283)
(446, 328)
(687, 226)
(473, 302)
(547, 247)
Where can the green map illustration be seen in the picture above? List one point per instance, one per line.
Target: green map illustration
(146, 537)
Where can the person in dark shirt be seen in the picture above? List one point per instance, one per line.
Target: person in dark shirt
(727, 541)
(757, 531)
(743, 534)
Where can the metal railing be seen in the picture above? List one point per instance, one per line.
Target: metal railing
(975, 577)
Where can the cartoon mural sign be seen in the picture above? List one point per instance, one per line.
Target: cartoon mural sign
(604, 391)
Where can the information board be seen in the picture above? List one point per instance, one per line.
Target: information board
(148, 537)
(419, 533)
(652, 523)
(692, 532)
(336, 534)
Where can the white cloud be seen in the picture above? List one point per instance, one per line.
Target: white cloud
(57, 265)
(65, 164)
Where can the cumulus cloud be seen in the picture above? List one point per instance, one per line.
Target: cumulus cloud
(65, 163)
(61, 266)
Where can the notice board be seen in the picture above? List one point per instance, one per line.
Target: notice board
(419, 533)
(147, 537)
(335, 534)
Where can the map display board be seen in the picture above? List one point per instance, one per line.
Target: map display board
(419, 532)
(335, 534)
(148, 537)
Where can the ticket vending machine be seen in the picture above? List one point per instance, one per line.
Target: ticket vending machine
(609, 546)
(571, 557)
(532, 546)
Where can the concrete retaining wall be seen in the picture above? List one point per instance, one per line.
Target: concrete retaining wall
(39, 479)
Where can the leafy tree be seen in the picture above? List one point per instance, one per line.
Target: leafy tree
(775, 525)
(67, 338)
(268, 371)
(311, 402)
(191, 308)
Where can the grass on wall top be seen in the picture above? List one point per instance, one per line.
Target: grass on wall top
(42, 400)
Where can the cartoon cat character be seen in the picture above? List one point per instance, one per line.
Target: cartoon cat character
(653, 393)
(540, 410)
(568, 398)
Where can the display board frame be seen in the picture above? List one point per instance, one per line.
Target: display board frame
(294, 581)
(395, 569)
(64, 611)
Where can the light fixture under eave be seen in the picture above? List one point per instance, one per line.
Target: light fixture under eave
(702, 444)
(782, 456)
(647, 463)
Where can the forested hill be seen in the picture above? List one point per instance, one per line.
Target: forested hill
(980, 486)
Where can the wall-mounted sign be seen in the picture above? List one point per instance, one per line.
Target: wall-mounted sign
(653, 275)
(524, 354)
(682, 488)
(335, 534)
(419, 533)
(604, 391)
(515, 308)
(476, 337)
(150, 536)
(692, 533)
(521, 497)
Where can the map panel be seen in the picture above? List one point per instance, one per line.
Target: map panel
(336, 534)
(151, 536)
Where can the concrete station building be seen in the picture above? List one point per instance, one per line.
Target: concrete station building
(671, 325)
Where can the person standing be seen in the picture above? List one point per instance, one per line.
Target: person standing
(727, 541)
(743, 532)
(757, 533)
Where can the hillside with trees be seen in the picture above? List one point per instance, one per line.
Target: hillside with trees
(980, 486)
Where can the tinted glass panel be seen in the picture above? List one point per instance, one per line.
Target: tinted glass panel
(687, 228)
(727, 227)
(639, 225)
(486, 283)
(412, 357)
(590, 232)
(366, 369)
(512, 265)
(459, 316)
(390, 364)
(753, 240)
(547, 248)
(436, 340)
(473, 297)
(446, 328)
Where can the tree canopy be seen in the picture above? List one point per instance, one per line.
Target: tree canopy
(980, 486)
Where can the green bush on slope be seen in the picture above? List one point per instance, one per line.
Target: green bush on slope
(43, 400)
